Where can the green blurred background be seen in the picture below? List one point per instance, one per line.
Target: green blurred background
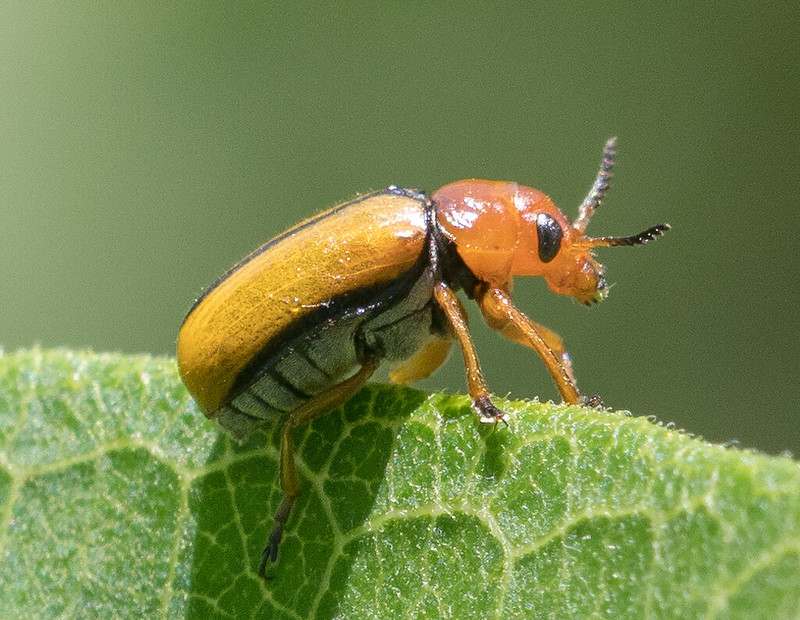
(145, 147)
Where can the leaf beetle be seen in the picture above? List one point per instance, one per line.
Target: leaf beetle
(296, 328)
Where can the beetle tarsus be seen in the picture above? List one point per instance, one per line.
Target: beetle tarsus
(270, 553)
(594, 402)
(487, 412)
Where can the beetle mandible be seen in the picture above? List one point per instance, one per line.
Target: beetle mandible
(296, 328)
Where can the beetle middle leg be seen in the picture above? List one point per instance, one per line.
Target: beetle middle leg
(478, 390)
(319, 405)
(501, 314)
(423, 363)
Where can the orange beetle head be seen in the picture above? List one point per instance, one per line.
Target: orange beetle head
(501, 230)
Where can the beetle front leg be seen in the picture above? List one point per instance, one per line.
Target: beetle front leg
(321, 404)
(478, 390)
(502, 315)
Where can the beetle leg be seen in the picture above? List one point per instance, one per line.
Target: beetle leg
(319, 405)
(478, 390)
(502, 315)
(423, 363)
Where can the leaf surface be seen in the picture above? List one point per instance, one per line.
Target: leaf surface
(120, 500)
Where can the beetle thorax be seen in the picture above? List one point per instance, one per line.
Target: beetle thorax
(479, 218)
(501, 230)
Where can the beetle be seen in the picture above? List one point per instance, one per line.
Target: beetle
(296, 328)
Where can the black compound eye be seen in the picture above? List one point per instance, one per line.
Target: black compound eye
(550, 235)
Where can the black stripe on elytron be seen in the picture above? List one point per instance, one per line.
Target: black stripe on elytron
(397, 191)
(285, 383)
(352, 303)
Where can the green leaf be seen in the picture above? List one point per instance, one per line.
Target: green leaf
(119, 499)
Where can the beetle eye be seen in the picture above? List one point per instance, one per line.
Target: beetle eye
(550, 235)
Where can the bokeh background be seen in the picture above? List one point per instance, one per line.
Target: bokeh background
(145, 147)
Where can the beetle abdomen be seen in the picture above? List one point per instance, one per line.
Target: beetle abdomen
(394, 326)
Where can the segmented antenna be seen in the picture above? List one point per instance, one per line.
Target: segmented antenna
(640, 239)
(600, 187)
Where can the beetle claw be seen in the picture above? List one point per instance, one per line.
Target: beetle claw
(487, 412)
(595, 402)
(270, 553)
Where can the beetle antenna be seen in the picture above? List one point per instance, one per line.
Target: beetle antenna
(601, 184)
(640, 239)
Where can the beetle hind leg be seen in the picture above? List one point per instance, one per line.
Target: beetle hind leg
(319, 405)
